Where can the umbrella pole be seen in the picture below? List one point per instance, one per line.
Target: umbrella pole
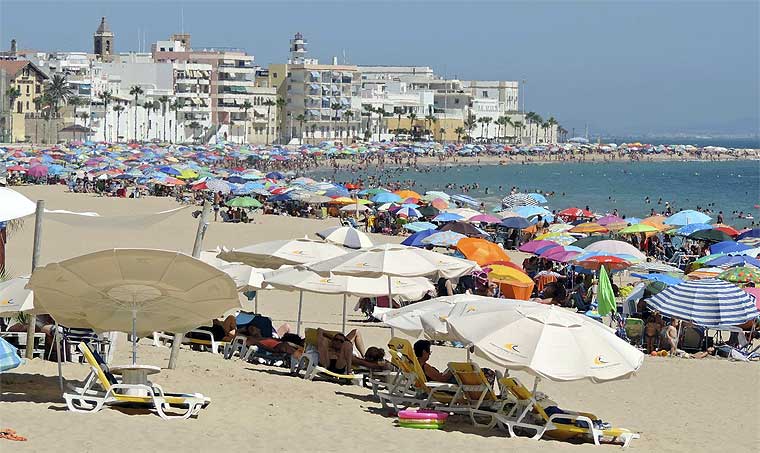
(344, 314)
(32, 321)
(134, 336)
(300, 304)
(256, 302)
(57, 338)
(390, 293)
(197, 245)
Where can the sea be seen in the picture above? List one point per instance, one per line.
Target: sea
(631, 188)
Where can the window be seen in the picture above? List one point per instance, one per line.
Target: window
(485, 94)
(37, 88)
(456, 101)
(27, 105)
(274, 75)
(19, 107)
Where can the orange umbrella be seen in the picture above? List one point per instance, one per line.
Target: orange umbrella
(657, 221)
(408, 194)
(589, 227)
(481, 251)
(729, 230)
(439, 203)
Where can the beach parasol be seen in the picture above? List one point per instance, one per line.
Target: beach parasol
(709, 236)
(415, 240)
(613, 247)
(386, 197)
(514, 222)
(742, 274)
(638, 228)
(404, 194)
(484, 218)
(728, 247)
(547, 341)
(517, 200)
(273, 254)
(346, 236)
(687, 217)
(605, 297)
(533, 246)
(610, 220)
(244, 202)
(729, 230)
(462, 227)
(9, 358)
(575, 213)
(447, 217)
(133, 290)
(14, 297)
(408, 211)
(597, 261)
(731, 260)
(691, 228)
(355, 208)
(13, 205)
(481, 251)
(708, 303)
(429, 211)
(588, 228)
(506, 274)
(443, 239)
(416, 227)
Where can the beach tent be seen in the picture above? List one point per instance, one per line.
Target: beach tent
(133, 290)
(708, 303)
(273, 254)
(546, 341)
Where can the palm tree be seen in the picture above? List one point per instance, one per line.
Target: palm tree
(105, 97)
(348, 115)
(459, 131)
(148, 106)
(442, 132)
(85, 118)
(118, 108)
(75, 102)
(269, 103)
(136, 91)
(551, 122)
(368, 113)
(195, 126)
(412, 116)
(60, 92)
(539, 122)
(280, 107)
(246, 106)
(469, 124)
(301, 119)
(518, 125)
(429, 120)
(164, 100)
(381, 113)
(398, 125)
(175, 107)
(335, 107)
(13, 93)
(482, 121)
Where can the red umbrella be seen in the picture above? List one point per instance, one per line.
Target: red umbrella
(731, 231)
(574, 213)
(16, 168)
(609, 262)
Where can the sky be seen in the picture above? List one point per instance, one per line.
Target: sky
(619, 67)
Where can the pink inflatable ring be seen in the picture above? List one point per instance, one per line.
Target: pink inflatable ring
(422, 414)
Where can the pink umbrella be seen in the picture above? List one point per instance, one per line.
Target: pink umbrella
(610, 219)
(561, 256)
(756, 293)
(38, 171)
(532, 246)
(484, 218)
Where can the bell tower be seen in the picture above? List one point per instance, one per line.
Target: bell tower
(103, 41)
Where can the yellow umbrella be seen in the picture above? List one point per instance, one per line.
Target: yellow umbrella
(589, 227)
(500, 273)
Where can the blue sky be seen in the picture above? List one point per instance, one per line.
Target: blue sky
(621, 67)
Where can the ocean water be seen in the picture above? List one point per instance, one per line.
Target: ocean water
(721, 186)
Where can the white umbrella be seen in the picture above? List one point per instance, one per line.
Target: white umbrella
(547, 341)
(409, 319)
(616, 248)
(395, 260)
(137, 290)
(274, 254)
(346, 236)
(355, 208)
(302, 279)
(464, 212)
(13, 205)
(14, 297)
(247, 278)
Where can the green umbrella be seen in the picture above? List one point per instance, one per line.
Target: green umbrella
(743, 274)
(244, 202)
(585, 242)
(709, 236)
(429, 211)
(638, 228)
(654, 287)
(707, 258)
(605, 296)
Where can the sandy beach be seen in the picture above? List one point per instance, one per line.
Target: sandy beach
(676, 404)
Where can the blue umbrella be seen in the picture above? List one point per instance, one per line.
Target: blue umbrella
(444, 239)
(385, 197)
(664, 278)
(515, 222)
(464, 199)
(9, 358)
(687, 217)
(632, 220)
(728, 247)
(447, 217)
(733, 260)
(708, 303)
(419, 226)
(415, 240)
(528, 211)
(408, 212)
(753, 233)
(275, 175)
(169, 170)
(692, 228)
(538, 197)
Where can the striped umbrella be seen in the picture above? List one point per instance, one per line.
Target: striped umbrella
(708, 303)
(518, 199)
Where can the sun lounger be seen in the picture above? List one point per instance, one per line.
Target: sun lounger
(475, 396)
(562, 426)
(410, 386)
(112, 392)
(309, 361)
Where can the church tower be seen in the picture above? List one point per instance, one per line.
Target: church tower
(103, 41)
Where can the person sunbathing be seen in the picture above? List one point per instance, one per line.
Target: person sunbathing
(221, 330)
(336, 352)
(422, 351)
(287, 343)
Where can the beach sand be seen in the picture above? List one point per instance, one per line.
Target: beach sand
(676, 404)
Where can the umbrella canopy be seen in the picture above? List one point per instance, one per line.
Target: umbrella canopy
(574, 213)
(484, 218)
(386, 197)
(691, 228)
(732, 260)
(546, 341)
(532, 246)
(395, 260)
(443, 239)
(611, 219)
(585, 242)
(664, 278)
(613, 247)
(137, 290)
(481, 251)
(605, 296)
(244, 202)
(686, 217)
(346, 236)
(728, 247)
(709, 236)
(741, 275)
(14, 297)
(447, 217)
(13, 205)
(517, 200)
(416, 227)
(274, 254)
(708, 303)
(9, 358)
(515, 222)
(597, 261)
(638, 228)
(589, 227)
(462, 227)
(415, 240)
(749, 234)
(355, 208)
(501, 273)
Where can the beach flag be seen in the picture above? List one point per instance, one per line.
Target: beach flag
(605, 296)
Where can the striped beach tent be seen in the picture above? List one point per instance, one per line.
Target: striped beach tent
(707, 303)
